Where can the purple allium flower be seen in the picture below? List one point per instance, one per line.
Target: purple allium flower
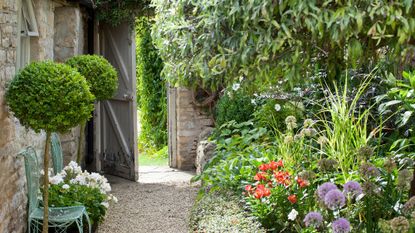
(323, 189)
(368, 171)
(341, 225)
(334, 199)
(353, 188)
(314, 219)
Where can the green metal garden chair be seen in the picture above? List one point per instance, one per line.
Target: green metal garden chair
(57, 157)
(59, 217)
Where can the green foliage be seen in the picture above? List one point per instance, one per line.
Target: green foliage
(215, 42)
(101, 76)
(115, 12)
(49, 96)
(272, 114)
(233, 105)
(151, 90)
(240, 149)
(76, 195)
(221, 212)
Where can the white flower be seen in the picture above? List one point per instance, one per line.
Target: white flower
(106, 204)
(253, 101)
(277, 107)
(65, 186)
(236, 86)
(292, 215)
(56, 179)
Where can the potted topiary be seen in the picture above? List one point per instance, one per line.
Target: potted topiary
(102, 79)
(51, 97)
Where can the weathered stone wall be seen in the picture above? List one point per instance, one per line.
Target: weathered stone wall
(69, 41)
(14, 137)
(190, 121)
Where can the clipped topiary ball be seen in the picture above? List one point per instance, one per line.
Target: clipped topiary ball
(100, 74)
(50, 96)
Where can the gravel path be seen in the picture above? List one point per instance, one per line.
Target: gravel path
(159, 202)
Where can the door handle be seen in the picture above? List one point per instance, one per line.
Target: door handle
(128, 97)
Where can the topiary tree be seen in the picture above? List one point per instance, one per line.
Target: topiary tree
(51, 97)
(101, 77)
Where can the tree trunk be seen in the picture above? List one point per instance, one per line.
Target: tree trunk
(46, 185)
(81, 138)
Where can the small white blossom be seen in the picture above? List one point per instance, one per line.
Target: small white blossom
(56, 179)
(236, 86)
(292, 215)
(253, 101)
(277, 107)
(65, 186)
(106, 204)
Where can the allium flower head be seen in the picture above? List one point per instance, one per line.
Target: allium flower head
(334, 199)
(409, 207)
(389, 165)
(308, 132)
(399, 224)
(291, 122)
(365, 152)
(322, 140)
(313, 219)
(308, 123)
(323, 189)
(327, 165)
(352, 188)
(404, 179)
(307, 175)
(369, 171)
(341, 225)
(288, 139)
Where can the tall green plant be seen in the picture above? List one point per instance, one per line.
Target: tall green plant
(50, 97)
(345, 127)
(151, 90)
(102, 80)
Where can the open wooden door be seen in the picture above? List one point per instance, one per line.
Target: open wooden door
(117, 117)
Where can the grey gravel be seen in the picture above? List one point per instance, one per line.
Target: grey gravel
(159, 202)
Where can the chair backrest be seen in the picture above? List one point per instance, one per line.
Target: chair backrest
(32, 177)
(57, 157)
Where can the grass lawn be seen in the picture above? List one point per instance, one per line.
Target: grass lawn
(145, 160)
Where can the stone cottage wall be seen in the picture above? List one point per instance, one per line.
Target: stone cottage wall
(189, 123)
(14, 137)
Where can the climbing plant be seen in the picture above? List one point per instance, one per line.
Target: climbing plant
(151, 89)
(214, 42)
(51, 97)
(117, 11)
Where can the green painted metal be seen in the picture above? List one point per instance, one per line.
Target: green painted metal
(59, 217)
(57, 156)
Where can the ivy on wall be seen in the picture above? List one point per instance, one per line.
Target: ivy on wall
(151, 90)
(116, 11)
(218, 42)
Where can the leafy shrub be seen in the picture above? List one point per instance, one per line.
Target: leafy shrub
(240, 149)
(101, 76)
(53, 97)
(219, 212)
(233, 105)
(72, 187)
(151, 90)
(49, 96)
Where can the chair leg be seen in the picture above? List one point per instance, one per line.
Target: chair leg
(88, 221)
(80, 225)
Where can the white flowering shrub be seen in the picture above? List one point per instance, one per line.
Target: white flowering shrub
(72, 187)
